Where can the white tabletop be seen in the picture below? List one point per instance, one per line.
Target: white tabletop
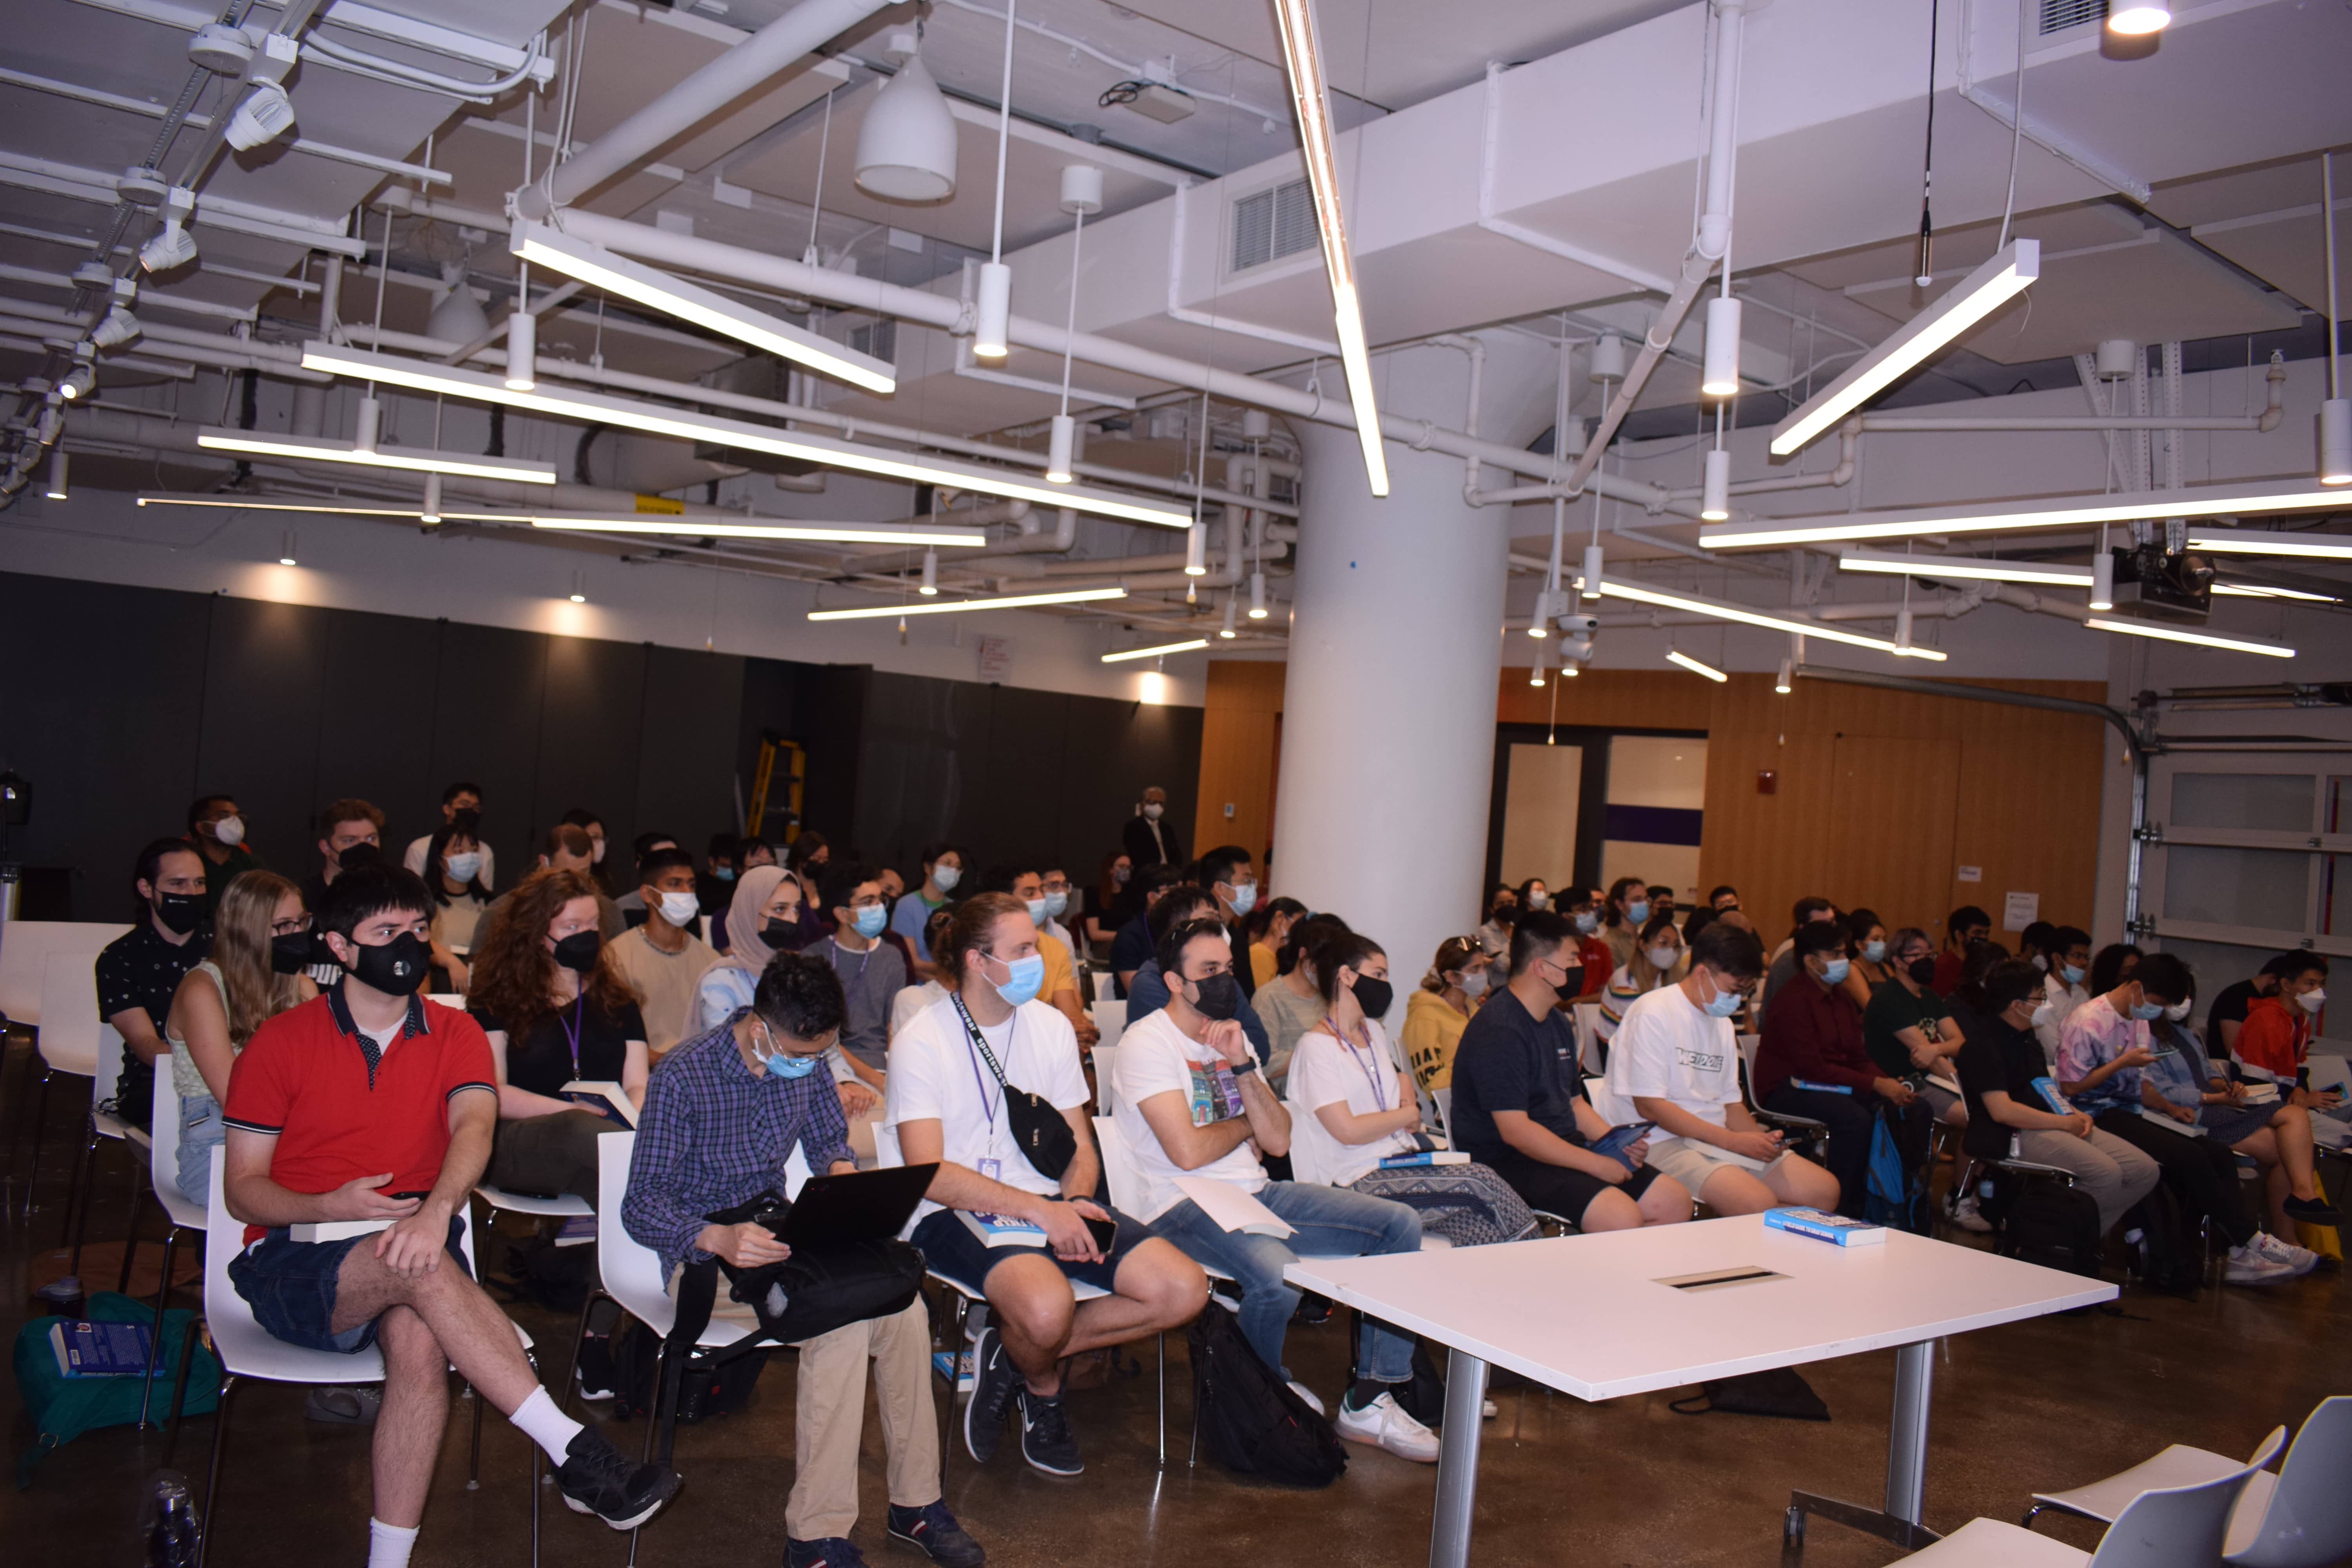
(1585, 1315)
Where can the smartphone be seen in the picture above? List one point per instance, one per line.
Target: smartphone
(408, 1197)
(1105, 1232)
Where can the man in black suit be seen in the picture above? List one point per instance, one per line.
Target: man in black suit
(1149, 838)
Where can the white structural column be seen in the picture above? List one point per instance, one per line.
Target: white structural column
(1388, 728)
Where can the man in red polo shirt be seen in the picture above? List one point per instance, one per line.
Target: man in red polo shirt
(371, 1105)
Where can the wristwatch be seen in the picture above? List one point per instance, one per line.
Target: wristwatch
(1246, 1065)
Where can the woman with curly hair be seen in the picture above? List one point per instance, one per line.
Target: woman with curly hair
(556, 1009)
(261, 942)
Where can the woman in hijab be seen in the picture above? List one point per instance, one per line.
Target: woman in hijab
(763, 920)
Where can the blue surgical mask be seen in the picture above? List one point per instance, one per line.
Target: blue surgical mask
(724, 873)
(1056, 902)
(1723, 1004)
(2042, 963)
(1873, 951)
(1036, 907)
(2146, 1011)
(1585, 920)
(1024, 976)
(1835, 970)
(1638, 910)
(870, 919)
(1245, 899)
(786, 1066)
(2072, 973)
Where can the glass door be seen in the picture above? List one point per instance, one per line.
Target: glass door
(2243, 858)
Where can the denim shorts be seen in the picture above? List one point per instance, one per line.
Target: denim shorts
(291, 1286)
(950, 1247)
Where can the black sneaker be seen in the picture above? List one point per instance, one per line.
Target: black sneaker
(933, 1531)
(595, 1373)
(994, 1382)
(596, 1477)
(2314, 1211)
(1312, 1309)
(832, 1551)
(1046, 1441)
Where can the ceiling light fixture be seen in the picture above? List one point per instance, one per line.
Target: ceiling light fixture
(171, 246)
(2103, 579)
(1061, 450)
(1720, 372)
(1974, 298)
(705, 526)
(930, 587)
(655, 419)
(1642, 593)
(1185, 646)
(906, 145)
(57, 490)
(1226, 631)
(2061, 511)
(580, 587)
(1715, 491)
(286, 552)
(119, 328)
(241, 503)
(367, 424)
(77, 382)
(2139, 629)
(1785, 681)
(1082, 193)
(522, 347)
(1196, 553)
(264, 116)
(2260, 542)
(992, 335)
(2250, 590)
(2134, 18)
(1003, 602)
(1590, 581)
(1303, 58)
(456, 316)
(1678, 657)
(1960, 568)
(430, 512)
(2336, 412)
(658, 291)
(421, 460)
(1257, 596)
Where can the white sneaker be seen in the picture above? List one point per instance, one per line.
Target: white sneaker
(2249, 1267)
(1307, 1395)
(1965, 1215)
(2302, 1259)
(1486, 1408)
(1385, 1423)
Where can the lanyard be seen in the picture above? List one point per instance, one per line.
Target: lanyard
(1362, 1060)
(571, 1031)
(973, 1037)
(866, 959)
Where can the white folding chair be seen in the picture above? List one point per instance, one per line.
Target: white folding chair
(1106, 1059)
(72, 1006)
(1110, 1020)
(1820, 1130)
(249, 1353)
(184, 1217)
(1591, 1048)
(2299, 1518)
(2168, 1527)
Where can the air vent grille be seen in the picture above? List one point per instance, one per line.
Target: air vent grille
(2057, 15)
(1270, 225)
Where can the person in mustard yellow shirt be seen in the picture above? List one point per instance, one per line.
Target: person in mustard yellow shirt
(1436, 1013)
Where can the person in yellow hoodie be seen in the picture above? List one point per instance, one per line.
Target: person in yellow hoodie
(1435, 1015)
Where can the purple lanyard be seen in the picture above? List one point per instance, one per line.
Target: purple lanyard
(571, 1031)
(1380, 1095)
(972, 1038)
(862, 962)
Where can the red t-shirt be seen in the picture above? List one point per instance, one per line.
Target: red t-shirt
(2274, 1039)
(1599, 963)
(340, 1108)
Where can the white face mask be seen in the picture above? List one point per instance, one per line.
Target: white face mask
(1152, 808)
(1661, 957)
(1474, 984)
(229, 830)
(2312, 1001)
(680, 909)
(945, 878)
(596, 852)
(465, 865)
(2177, 1012)
(1538, 898)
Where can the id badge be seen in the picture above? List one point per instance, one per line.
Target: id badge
(993, 1169)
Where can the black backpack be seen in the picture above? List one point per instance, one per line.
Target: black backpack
(2172, 1253)
(2050, 1223)
(704, 1388)
(1250, 1419)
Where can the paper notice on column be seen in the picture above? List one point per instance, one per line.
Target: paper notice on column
(2018, 911)
(1231, 1208)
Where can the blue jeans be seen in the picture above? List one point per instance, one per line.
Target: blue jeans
(1330, 1222)
(201, 1132)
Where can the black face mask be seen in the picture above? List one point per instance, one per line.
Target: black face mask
(1572, 985)
(289, 953)
(775, 933)
(179, 912)
(1374, 997)
(1922, 971)
(396, 968)
(1220, 998)
(358, 855)
(578, 951)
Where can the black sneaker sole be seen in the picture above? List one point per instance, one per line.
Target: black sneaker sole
(1079, 1466)
(661, 1499)
(974, 1424)
(903, 1538)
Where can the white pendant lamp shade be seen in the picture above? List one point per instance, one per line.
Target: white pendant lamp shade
(431, 510)
(1082, 189)
(1720, 375)
(457, 316)
(907, 147)
(1786, 679)
(1061, 451)
(1226, 631)
(2103, 581)
(1257, 596)
(368, 429)
(993, 312)
(1608, 359)
(1715, 497)
(2132, 17)
(57, 490)
(2336, 441)
(930, 585)
(1196, 551)
(523, 352)
(1592, 571)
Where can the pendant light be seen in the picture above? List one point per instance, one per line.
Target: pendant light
(930, 585)
(522, 345)
(57, 490)
(2135, 18)
(2103, 577)
(430, 512)
(456, 315)
(1715, 499)
(1082, 193)
(1720, 375)
(992, 317)
(907, 146)
(1226, 631)
(1257, 596)
(2335, 413)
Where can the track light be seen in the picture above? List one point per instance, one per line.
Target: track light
(1185, 646)
(993, 312)
(1061, 451)
(2336, 441)
(77, 382)
(56, 489)
(906, 145)
(1715, 495)
(264, 115)
(1678, 657)
(171, 247)
(1785, 681)
(1196, 552)
(119, 328)
(2134, 18)
(1974, 298)
(2103, 580)
(2202, 502)
(287, 555)
(930, 585)
(522, 348)
(1003, 602)
(1720, 374)
(430, 512)
(1257, 596)
(1593, 563)
(2139, 629)
(1226, 631)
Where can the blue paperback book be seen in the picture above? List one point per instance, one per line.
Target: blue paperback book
(1834, 1229)
(86, 1349)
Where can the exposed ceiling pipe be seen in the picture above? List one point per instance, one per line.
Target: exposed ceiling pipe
(1709, 246)
(1849, 444)
(736, 72)
(2268, 419)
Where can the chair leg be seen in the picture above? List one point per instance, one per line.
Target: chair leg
(2031, 1515)
(579, 1342)
(40, 1124)
(1162, 1338)
(130, 1237)
(474, 1461)
(180, 1390)
(212, 1480)
(78, 1198)
(155, 1335)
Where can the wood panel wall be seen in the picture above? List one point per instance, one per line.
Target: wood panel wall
(1880, 797)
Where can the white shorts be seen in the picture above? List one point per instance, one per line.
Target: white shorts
(1691, 1163)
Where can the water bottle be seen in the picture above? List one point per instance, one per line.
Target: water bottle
(173, 1532)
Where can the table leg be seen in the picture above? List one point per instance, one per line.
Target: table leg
(1906, 1438)
(1457, 1460)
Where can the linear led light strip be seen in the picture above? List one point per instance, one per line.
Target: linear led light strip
(1302, 56)
(1185, 646)
(1695, 667)
(411, 459)
(2247, 590)
(2068, 511)
(2257, 541)
(564, 403)
(2182, 634)
(1964, 568)
(1974, 298)
(1618, 588)
(599, 268)
(707, 527)
(942, 606)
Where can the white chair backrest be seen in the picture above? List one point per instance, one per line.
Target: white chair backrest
(1588, 1019)
(887, 1151)
(1110, 1020)
(630, 1273)
(1118, 1168)
(2330, 1072)
(25, 950)
(1748, 1044)
(1105, 1063)
(796, 1170)
(163, 1127)
(70, 1029)
(109, 1056)
(1105, 984)
(1445, 1099)
(2180, 1527)
(246, 1349)
(2309, 1520)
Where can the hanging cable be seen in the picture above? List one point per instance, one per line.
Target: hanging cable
(1926, 273)
(817, 206)
(1003, 131)
(2016, 128)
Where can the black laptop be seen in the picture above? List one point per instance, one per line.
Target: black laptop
(862, 1205)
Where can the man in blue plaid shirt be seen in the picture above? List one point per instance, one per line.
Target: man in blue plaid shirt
(721, 1114)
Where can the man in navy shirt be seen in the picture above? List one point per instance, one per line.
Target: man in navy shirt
(1132, 949)
(1519, 1109)
(1147, 992)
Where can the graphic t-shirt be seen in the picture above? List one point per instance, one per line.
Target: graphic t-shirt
(1155, 1056)
(1668, 1048)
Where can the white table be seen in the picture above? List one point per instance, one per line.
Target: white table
(1589, 1316)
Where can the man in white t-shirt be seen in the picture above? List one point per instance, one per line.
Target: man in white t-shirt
(953, 1068)
(2069, 957)
(459, 796)
(1675, 1062)
(1194, 1108)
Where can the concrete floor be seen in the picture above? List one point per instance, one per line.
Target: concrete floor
(2050, 1403)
